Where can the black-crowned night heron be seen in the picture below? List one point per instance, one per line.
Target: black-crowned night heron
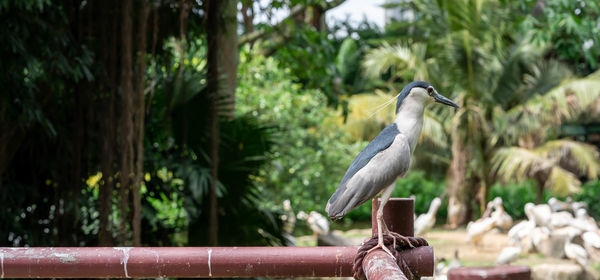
(387, 158)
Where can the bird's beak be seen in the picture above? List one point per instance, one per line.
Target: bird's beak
(442, 99)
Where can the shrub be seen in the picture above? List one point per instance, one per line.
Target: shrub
(590, 194)
(310, 154)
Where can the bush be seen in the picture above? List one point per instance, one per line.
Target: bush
(310, 154)
(590, 194)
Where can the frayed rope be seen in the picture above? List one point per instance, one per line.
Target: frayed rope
(388, 241)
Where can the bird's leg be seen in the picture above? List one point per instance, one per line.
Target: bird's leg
(385, 196)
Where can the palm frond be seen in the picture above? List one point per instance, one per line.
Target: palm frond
(515, 163)
(401, 60)
(562, 182)
(581, 155)
(541, 115)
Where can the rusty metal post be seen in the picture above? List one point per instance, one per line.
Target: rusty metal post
(398, 216)
(514, 272)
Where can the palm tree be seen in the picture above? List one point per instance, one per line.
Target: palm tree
(536, 152)
(472, 50)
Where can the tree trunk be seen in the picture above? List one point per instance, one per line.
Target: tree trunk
(317, 18)
(540, 176)
(139, 124)
(221, 83)
(457, 184)
(212, 75)
(227, 56)
(127, 111)
(108, 122)
(248, 17)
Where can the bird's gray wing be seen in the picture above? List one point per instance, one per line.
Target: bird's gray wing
(342, 201)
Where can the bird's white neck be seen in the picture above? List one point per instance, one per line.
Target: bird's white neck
(409, 119)
(432, 210)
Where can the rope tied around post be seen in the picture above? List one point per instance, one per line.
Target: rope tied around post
(388, 241)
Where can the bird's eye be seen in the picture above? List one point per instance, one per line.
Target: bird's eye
(430, 90)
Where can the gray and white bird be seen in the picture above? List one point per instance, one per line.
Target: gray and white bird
(575, 251)
(387, 158)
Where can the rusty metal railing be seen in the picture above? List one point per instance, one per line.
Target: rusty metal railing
(146, 262)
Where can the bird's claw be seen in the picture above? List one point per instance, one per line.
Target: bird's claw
(381, 246)
(395, 235)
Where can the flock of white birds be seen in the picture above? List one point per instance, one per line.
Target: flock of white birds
(557, 229)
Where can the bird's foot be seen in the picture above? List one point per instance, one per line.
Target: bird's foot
(381, 246)
(395, 235)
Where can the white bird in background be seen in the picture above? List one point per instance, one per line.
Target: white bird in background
(442, 270)
(488, 210)
(317, 222)
(560, 219)
(584, 222)
(426, 221)
(591, 239)
(503, 220)
(455, 261)
(557, 205)
(508, 255)
(576, 205)
(538, 235)
(476, 230)
(540, 214)
(520, 231)
(575, 252)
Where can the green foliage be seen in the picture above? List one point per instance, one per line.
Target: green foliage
(310, 55)
(590, 194)
(309, 156)
(40, 61)
(573, 29)
(515, 195)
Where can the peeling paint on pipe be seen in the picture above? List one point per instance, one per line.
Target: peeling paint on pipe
(379, 265)
(152, 262)
(1, 265)
(148, 262)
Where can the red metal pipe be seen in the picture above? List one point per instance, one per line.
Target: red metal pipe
(380, 265)
(397, 214)
(514, 272)
(146, 262)
(419, 260)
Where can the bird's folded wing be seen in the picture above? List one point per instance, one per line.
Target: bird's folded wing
(337, 208)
